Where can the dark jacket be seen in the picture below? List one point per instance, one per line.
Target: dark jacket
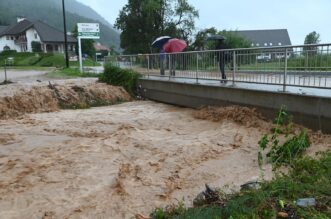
(225, 56)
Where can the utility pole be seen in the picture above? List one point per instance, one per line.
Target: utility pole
(65, 34)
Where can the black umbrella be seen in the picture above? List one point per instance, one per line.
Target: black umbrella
(160, 41)
(215, 37)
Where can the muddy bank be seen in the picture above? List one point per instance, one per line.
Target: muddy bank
(19, 99)
(121, 160)
(242, 115)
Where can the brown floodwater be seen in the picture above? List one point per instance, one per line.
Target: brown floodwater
(121, 160)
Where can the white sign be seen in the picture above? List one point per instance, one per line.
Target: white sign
(88, 30)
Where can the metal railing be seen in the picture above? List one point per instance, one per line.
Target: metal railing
(303, 65)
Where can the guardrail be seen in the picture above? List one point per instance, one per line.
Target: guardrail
(303, 65)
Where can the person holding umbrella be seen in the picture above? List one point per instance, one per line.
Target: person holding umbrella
(174, 46)
(222, 56)
(159, 43)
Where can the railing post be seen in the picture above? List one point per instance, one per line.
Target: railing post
(169, 66)
(234, 67)
(285, 72)
(148, 64)
(5, 70)
(130, 62)
(196, 72)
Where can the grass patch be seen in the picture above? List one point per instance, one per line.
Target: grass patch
(86, 62)
(40, 59)
(70, 73)
(307, 178)
(27, 68)
(125, 78)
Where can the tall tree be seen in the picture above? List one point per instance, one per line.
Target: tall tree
(233, 40)
(141, 21)
(200, 42)
(312, 38)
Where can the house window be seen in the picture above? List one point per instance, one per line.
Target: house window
(12, 38)
(7, 37)
(56, 48)
(35, 35)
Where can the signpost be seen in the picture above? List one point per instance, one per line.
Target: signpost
(86, 31)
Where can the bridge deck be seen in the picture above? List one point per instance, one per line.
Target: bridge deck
(321, 92)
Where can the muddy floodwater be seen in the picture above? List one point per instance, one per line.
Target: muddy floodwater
(121, 160)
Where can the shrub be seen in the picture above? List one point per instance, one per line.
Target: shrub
(294, 146)
(120, 77)
(51, 60)
(36, 46)
(8, 52)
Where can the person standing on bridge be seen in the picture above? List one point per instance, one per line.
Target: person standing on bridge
(223, 56)
(162, 60)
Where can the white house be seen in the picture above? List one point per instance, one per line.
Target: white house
(20, 36)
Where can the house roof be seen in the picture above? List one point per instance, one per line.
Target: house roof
(50, 34)
(2, 29)
(17, 28)
(274, 37)
(46, 32)
(99, 47)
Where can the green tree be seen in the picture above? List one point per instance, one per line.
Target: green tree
(200, 42)
(141, 21)
(233, 40)
(87, 44)
(312, 38)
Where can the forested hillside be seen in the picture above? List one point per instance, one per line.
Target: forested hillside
(50, 11)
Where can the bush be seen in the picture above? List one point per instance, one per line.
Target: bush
(283, 152)
(50, 60)
(36, 46)
(8, 52)
(120, 77)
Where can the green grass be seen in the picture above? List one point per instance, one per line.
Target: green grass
(27, 68)
(87, 62)
(41, 60)
(307, 178)
(70, 73)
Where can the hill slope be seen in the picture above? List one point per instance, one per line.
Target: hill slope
(50, 11)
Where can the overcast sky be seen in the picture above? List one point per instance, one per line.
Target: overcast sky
(300, 17)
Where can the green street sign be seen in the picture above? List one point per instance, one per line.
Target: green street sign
(88, 30)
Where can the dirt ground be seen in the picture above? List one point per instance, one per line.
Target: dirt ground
(117, 161)
(36, 97)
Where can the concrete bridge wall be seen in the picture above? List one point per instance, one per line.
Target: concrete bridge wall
(311, 111)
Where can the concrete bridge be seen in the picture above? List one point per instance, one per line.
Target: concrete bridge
(301, 81)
